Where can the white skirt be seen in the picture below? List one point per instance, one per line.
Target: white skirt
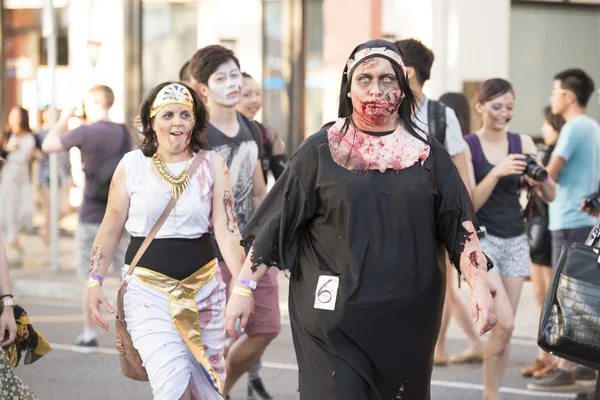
(179, 330)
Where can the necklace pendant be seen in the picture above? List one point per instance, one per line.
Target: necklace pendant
(177, 184)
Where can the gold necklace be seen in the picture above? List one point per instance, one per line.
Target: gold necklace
(177, 184)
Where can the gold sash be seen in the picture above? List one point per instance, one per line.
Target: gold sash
(184, 310)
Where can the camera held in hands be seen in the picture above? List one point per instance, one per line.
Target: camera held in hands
(533, 170)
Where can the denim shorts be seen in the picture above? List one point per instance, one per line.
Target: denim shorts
(509, 255)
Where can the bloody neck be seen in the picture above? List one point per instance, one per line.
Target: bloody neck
(366, 120)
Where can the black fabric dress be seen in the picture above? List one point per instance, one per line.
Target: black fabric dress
(383, 236)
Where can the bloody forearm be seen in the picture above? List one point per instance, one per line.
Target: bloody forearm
(473, 263)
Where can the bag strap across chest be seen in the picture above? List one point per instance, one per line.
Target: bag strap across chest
(436, 115)
(148, 239)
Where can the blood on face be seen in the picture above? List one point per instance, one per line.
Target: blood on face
(375, 94)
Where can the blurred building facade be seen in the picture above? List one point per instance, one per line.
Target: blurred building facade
(296, 48)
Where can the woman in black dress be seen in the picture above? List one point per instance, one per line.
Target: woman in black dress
(361, 218)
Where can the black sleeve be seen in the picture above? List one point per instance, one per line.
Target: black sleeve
(278, 165)
(276, 227)
(453, 206)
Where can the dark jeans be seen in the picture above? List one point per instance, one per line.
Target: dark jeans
(566, 237)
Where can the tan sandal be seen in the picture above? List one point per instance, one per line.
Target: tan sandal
(467, 358)
(533, 368)
(440, 360)
(546, 371)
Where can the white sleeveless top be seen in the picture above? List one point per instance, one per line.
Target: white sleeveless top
(148, 197)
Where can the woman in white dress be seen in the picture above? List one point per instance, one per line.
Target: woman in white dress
(175, 302)
(16, 194)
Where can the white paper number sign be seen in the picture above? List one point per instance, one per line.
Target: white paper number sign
(326, 293)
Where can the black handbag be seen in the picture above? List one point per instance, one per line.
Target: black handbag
(540, 240)
(570, 320)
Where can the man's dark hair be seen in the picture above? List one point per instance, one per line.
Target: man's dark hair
(418, 56)
(578, 82)
(184, 72)
(206, 60)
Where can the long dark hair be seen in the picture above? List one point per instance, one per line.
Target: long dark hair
(493, 88)
(460, 105)
(407, 107)
(556, 121)
(198, 139)
(24, 119)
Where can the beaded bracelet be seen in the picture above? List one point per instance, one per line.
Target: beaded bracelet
(242, 291)
(249, 283)
(95, 277)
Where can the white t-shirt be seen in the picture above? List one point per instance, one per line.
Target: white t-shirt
(455, 143)
(148, 197)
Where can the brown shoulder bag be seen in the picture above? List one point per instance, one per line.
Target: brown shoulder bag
(131, 361)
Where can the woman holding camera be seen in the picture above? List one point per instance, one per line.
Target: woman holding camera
(500, 164)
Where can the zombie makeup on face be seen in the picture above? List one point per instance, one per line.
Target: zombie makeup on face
(376, 96)
(173, 126)
(225, 84)
(498, 112)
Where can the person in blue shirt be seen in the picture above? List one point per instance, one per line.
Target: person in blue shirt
(575, 166)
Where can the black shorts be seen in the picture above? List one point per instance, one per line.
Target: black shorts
(566, 237)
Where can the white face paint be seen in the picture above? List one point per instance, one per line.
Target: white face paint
(225, 84)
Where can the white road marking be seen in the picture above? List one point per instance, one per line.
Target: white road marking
(522, 392)
(434, 382)
(98, 350)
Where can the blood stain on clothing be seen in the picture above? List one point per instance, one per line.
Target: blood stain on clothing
(355, 150)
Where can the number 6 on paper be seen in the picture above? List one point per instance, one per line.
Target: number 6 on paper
(326, 293)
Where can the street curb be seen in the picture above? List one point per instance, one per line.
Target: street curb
(54, 290)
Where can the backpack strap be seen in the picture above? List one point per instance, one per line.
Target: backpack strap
(436, 115)
(476, 150)
(514, 143)
(256, 134)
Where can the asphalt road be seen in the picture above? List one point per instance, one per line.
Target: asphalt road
(64, 374)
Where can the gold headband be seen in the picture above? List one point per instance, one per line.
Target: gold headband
(391, 55)
(172, 94)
